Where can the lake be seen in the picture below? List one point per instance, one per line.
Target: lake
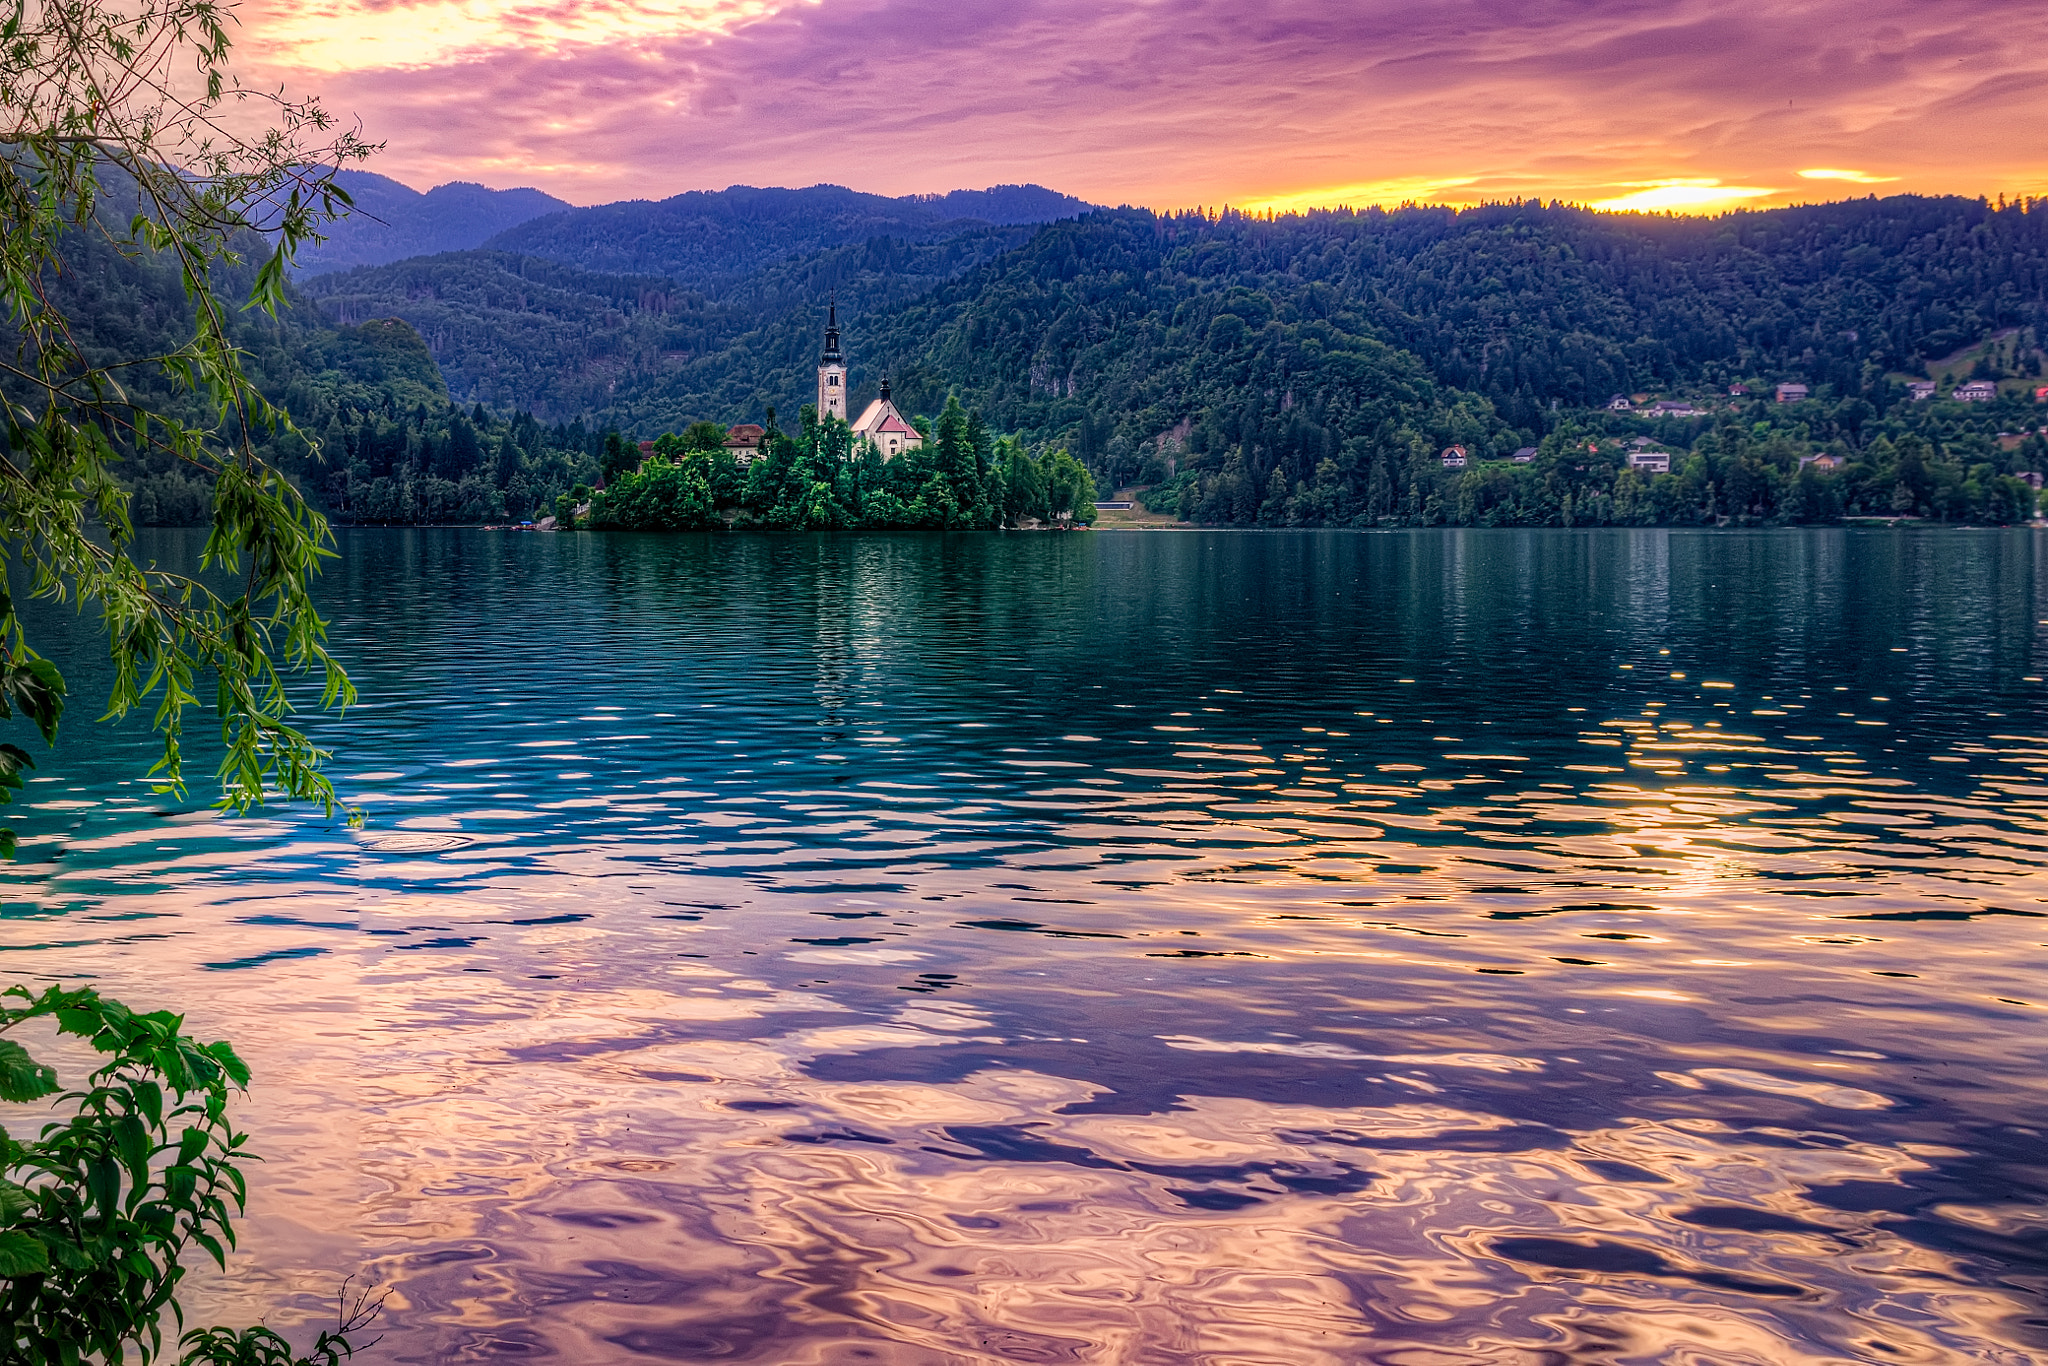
(1248, 949)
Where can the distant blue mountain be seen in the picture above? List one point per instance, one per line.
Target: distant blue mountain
(394, 221)
(707, 237)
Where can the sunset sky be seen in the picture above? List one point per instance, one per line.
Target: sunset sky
(1688, 104)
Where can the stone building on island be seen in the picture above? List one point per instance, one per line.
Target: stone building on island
(887, 428)
(880, 423)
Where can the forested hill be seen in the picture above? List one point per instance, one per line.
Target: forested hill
(1370, 341)
(1307, 369)
(517, 331)
(379, 439)
(1524, 305)
(1116, 318)
(702, 238)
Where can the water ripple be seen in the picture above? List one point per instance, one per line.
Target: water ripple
(1306, 948)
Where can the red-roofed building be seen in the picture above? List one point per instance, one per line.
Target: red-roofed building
(888, 429)
(743, 440)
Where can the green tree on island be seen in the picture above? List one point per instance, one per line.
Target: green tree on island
(818, 480)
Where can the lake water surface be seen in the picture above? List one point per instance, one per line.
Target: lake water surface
(1290, 949)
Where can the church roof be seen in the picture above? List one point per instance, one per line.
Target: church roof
(874, 415)
(895, 425)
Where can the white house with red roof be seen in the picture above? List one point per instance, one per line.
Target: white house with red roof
(888, 429)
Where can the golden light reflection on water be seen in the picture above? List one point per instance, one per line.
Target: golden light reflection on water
(1284, 1045)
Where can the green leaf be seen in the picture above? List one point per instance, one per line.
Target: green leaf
(103, 1185)
(133, 1140)
(16, 1204)
(212, 1245)
(34, 687)
(224, 1054)
(22, 1254)
(22, 1078)
(14, 761)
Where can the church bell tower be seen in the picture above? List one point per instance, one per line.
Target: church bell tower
(832, 371)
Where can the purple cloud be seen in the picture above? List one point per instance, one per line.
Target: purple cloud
(1211, 101)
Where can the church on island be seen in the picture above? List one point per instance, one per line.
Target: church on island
(879, 423)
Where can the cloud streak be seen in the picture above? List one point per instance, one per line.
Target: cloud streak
(1178, 102)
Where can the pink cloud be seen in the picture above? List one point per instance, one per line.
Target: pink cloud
(1186, 101)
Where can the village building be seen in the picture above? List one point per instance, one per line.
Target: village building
(1825, 463)
(1525, 455)
(1675, 408)
(1792, 393)
(881, 424)
(1650, 462)
(2041, 394)
(1620, 404)
(1738, 390)
(1454, 457)
(1976, 391)
(743, 442)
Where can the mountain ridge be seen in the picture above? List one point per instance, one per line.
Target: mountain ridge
(703, 237)
(393, 221)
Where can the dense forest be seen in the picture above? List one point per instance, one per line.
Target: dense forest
(378, 440)
(567, 343)
(705, 238)
(1310, 369)
(1338, 354)
(1301, 370)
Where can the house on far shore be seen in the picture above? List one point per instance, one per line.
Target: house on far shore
(743, 441)
(1454, 457)
(1823, 462)
(1525, 455)
(1620, 404)
(1920, 389)
(1674, 408)
(1976, 391)
(1738, 391)
(2041, 394)
(1650, 462)
(1792, 393)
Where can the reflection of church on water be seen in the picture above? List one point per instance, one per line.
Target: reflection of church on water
(880, 422)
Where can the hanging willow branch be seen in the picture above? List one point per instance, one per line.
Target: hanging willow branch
(121, 120)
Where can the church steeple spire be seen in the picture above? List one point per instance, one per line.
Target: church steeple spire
(832, 370)
(832, 355)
